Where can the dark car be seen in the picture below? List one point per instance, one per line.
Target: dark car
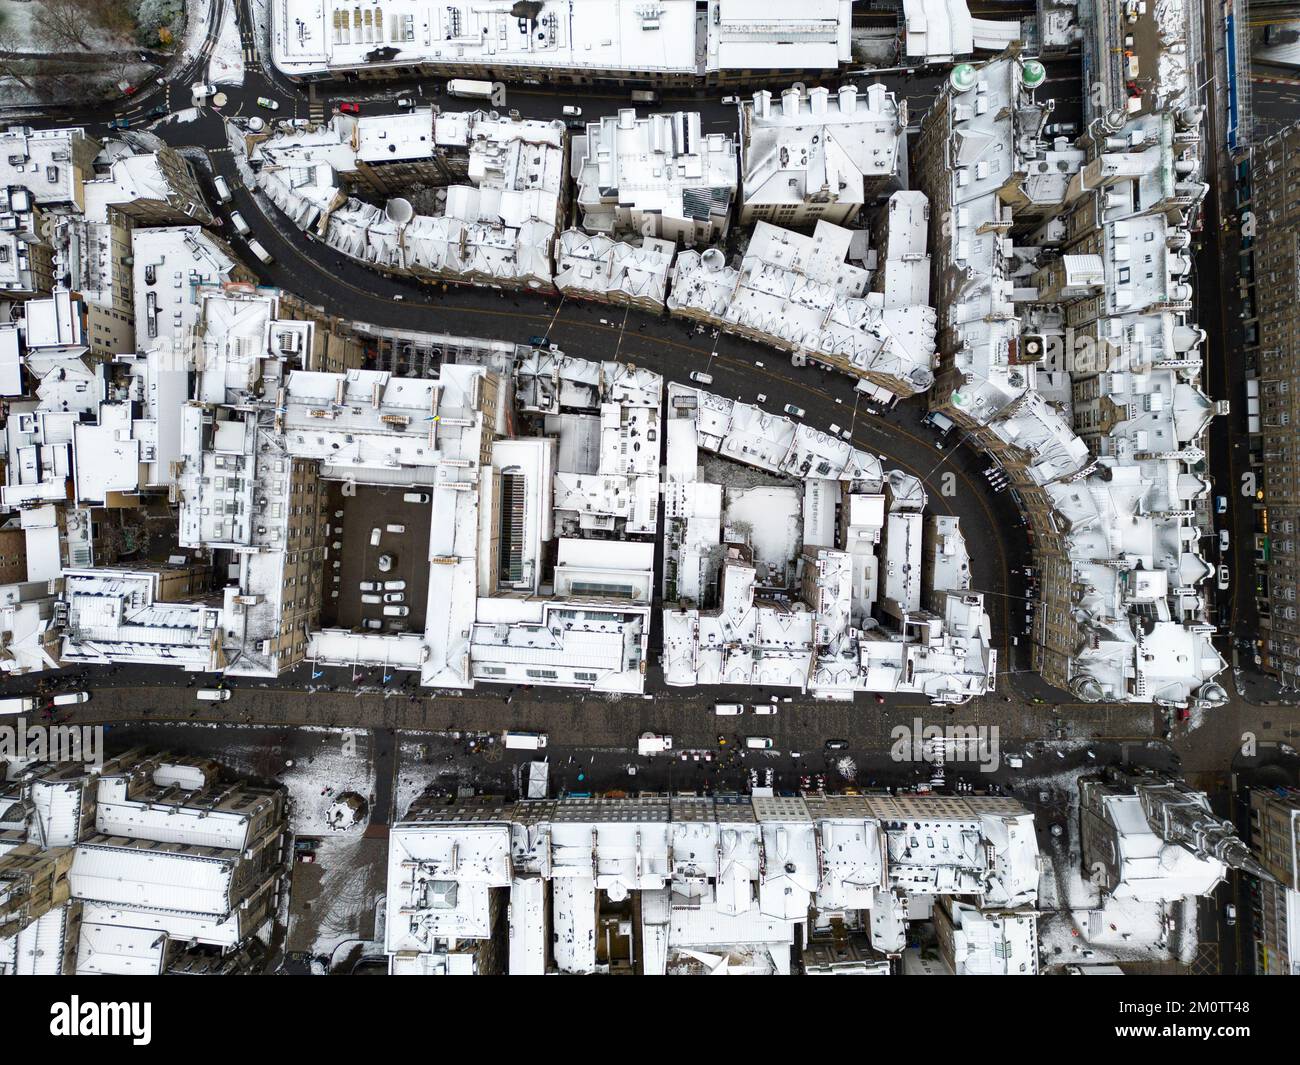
(120, 123)
(158, 112)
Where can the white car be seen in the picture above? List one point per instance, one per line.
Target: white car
(793, 411)
(701, 378)
(1223, 541)
(1223, 578)
(394, 586)
(396, 611)
(394, 597)
(730, 101)
(237, 220)
(728, 709)
(569, 111)
(764, 708)
(71, 698)
(835, 429)
(372, 623)
(758, 743)
(373, 600)
(213, 695)
(371, 586)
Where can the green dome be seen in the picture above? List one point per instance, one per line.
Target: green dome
(962, 77)
(1033, 73)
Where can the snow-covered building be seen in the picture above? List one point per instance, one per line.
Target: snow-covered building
(142, 866)
(1067, 353)
(939, 31)
(818, 586)
(818, 154)
(811, 295)
(574, 41)
(598, 268)
(497, 228)
(657, 176)
(724, 884)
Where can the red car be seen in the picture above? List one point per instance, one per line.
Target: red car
(350, 108)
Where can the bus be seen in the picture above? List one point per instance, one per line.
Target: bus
(473, 90)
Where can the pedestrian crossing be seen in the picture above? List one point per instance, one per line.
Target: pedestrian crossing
(316, 112)
(250, 54)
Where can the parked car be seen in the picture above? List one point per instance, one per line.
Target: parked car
(1220, 504)
(241, 227)
(730, 101)
(396, 611)
(394, 586)
(372, 600)
(268, 103)
(1230, 914)
(1060, 129)
(1223, 578)
(415, 497)
(405, 101)
(71, 698)
(793, 411)
(571, 111)
(837, 745)
(255, 246)
(349, 108)
(371, 586)
(375, 534)
(394, 597)
(1223, 541)
(223, 190)
(213, 695)
(728, 709)
(372, 623)
(835, 429)
(758, 743)
(701, 378)
(765, 708)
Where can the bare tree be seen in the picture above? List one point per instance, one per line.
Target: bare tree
(64, 21)
(13, 65)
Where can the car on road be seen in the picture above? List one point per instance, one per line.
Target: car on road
(570, 111)
(653, 743)
(1220, 504)
(765, 708)
(398, 298)
(213, 695)
(157, 112)
(575, 123)
(241, 227)
(525, 741)
(349, 108)
(120, 123)
(202, 89)
(728, 709)
(1060, 129)
(1230, 914)
(70, 699)
(405, 101)
(730, 101)
(223, 190)
(939, 422)
(793, 411)
(837, 745)
(255, 246)
(268, 103)
(758, 743)
(1223, 541)
(396, 611)
(701, 378)
(1223, 578)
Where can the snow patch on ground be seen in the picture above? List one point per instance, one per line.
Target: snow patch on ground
(226, 67)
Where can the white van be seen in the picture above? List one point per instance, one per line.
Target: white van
(415, 497)
(223, 190)
(71, 698)
(396, 611)
(525, 741)
(758, 743)
(650, 743)
(728, 709)
(237, 220)
(213, 695)
(20, 704)
(256, 248)
(396, 530)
